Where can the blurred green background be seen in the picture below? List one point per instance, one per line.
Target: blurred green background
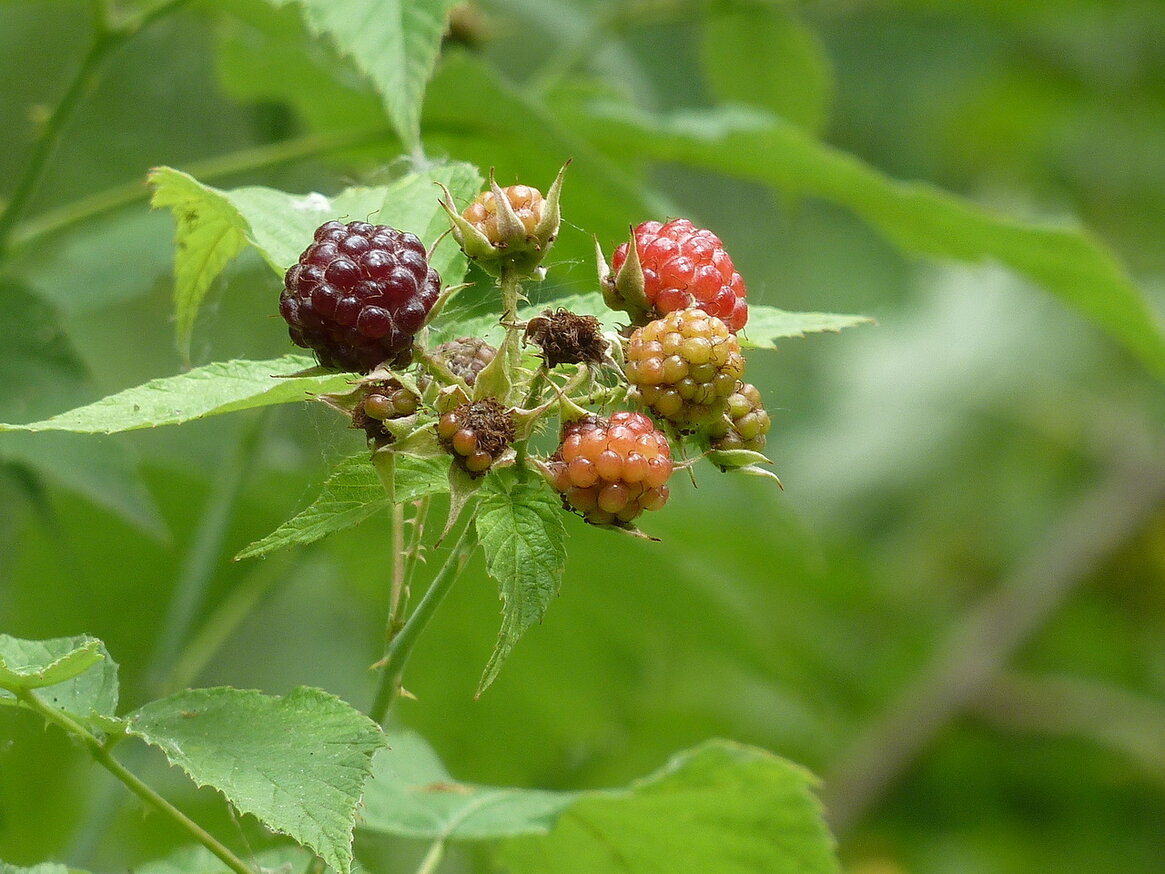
(955, 611)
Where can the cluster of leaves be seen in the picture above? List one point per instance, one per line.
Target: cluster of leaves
(301, 763)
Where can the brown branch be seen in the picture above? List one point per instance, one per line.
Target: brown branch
(980, 647)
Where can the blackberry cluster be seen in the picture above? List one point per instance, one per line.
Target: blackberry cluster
(745, 422)
(685, 366)
(466, 357)
(358, 295)
(611, 470)
(476, 434)
(383, 401)
(526, 202)
(686, 267)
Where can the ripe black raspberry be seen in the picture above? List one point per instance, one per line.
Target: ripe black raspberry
(476, 434)
(358, 294)
(611, 470)
(683, 267)
(567, 338)
(685, 366)
(466, 356)
(383, 401)
(744, 424)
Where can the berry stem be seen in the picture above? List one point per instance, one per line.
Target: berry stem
(105, 758)
(510, 285)
(397, 654)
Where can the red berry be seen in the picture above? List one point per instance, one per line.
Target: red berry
(684, 267)
(358, 294)
(611, 470)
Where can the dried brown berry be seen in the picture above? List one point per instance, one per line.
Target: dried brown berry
(567, 338)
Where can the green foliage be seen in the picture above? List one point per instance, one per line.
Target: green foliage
(932, 465)
(411, 794)
(351, 494)
(211, 390)
(921, 218)
(393, 42)
(521, 531)
(739, 810)
(298, 763)
(73, 674)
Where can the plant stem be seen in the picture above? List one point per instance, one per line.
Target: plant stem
(511, 288)
(432, 858)
(133, 783)
(105, 41)
(200, 561)
(231, 164)
(401, 646)
(398, 572)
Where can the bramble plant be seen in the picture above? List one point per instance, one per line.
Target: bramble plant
(455, 417)
(500, 411)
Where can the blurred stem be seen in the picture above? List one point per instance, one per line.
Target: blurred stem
(106, 40)
(400, 648)
(234, 163)
(201, 558)
(1128, 723)
(432, 858)
(105, 758)
(227, 616)
(978, 649)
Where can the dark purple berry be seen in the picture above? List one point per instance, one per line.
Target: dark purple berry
(358, 295)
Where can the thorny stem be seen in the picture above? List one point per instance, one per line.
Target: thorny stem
(105, 41)
(103, 756)
(400, 648)
(398, 571)
(231, 164)
(510, 286)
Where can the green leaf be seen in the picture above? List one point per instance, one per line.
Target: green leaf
(787, 73)
(393, 42)
(280, 225)
(521, 530)
(210, 234)
(197, 859)
(298, 763)
(42, 868)
(766, 324)
(222, 387)
(1068, 262)
(720, 807)
(351, 494)
(411, 204)
(412, 795)
(41, 370)
(73, 674)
